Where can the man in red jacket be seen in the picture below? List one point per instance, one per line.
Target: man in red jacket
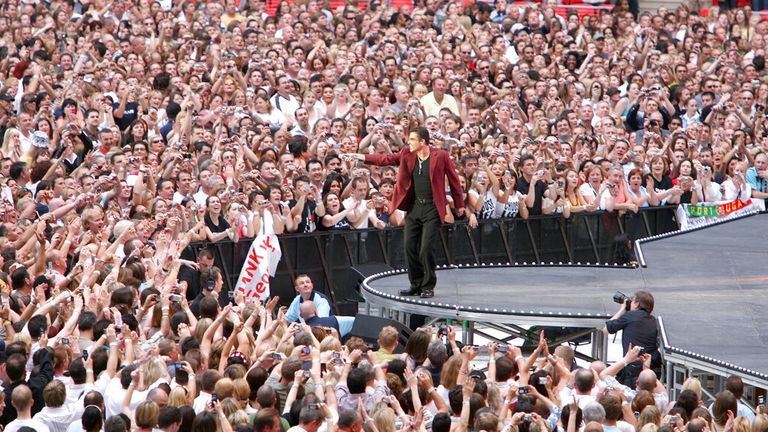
(420, 191)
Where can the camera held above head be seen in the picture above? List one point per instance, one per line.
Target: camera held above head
(621, 298)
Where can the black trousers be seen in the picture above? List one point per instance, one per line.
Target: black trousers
(421, 225)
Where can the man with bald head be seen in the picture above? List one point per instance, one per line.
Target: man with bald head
(597, 366)
(158, 396)
(646, 380)
(342, 324)
(308, 312)
(696, 425)
(593, 427)
(584, 381)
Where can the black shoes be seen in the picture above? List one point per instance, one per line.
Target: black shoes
(410, 292)
(417, 292)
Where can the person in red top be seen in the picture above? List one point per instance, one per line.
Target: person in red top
(420, 191)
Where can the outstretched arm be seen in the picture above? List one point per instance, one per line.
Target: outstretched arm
(376, 158)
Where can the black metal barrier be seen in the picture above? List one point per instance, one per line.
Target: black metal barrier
(328, 257)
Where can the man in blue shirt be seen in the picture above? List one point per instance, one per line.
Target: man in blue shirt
(757, 175)
(735, 385)
(306, 292)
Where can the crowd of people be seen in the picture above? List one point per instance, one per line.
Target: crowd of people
(132, 129)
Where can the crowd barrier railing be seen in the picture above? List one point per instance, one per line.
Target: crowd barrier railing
(329, 257)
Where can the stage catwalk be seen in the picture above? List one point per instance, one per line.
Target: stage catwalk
(709, 287)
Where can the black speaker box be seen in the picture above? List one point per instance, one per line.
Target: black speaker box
(347, 293)
(367, 327)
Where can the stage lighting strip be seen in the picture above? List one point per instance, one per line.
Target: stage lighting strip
(492, 310)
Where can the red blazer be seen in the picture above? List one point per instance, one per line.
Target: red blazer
(440, 166)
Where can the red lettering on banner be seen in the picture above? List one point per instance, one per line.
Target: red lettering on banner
(253, 263)
(263, 284)
(266, 243)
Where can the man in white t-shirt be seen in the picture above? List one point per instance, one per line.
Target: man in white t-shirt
(583, 384)
(359, 187)
(437, 99)
(21, 399)
(283, 100)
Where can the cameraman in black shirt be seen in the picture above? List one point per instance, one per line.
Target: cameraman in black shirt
(639, 329)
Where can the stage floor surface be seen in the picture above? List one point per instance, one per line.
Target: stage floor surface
(709, 287)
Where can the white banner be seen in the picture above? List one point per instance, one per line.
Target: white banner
(260, 264)
(715, 212)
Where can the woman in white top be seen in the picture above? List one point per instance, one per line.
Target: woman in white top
(641, 196)
(508, 205)
(735, 186)
(593, 179)
(341, 104)
(314, 109)
(706, 186)
(484, 193)
(267, 113)
(554, 201)
(265, 218)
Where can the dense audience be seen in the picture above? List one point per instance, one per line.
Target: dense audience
(132, 129)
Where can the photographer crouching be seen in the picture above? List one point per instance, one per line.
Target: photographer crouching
(639, 329)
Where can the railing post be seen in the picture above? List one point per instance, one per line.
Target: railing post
(472, 245)
(505, 239)
(444, 243)
(534, 247)
(566, 243)
(591, 237)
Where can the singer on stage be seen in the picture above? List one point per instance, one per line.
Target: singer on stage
(420, 191)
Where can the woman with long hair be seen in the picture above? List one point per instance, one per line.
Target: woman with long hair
(662, 184)
(483, 195)
(725, 402)
(735, 186)
(416, 348)
(508, 204)
(337, 217)
(137, 131)
(686, 181)
(596, 92)
(217, 227)
(573, 194)
(267, 113)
